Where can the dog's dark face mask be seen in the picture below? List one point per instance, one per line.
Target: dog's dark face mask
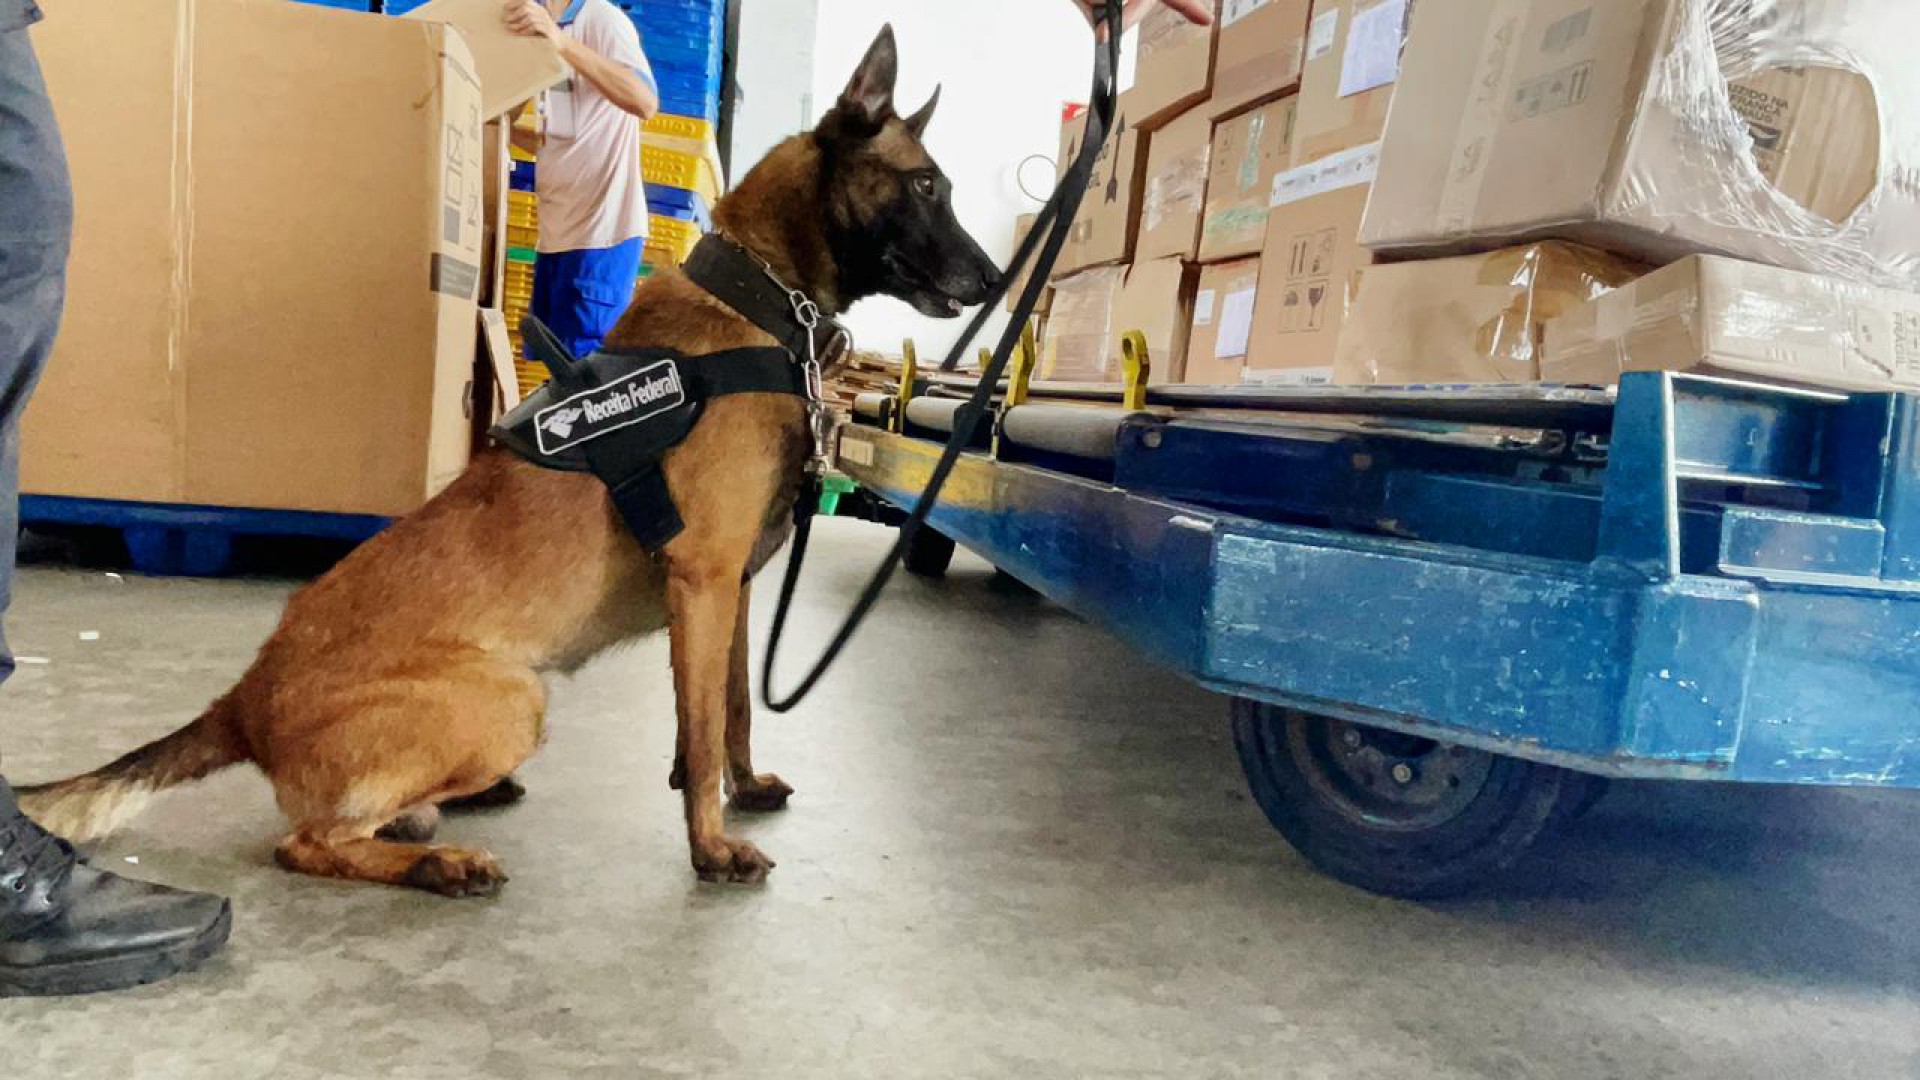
(890, 216)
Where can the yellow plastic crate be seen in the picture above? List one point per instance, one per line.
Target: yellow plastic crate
(692, 164)
(522, 236)
(523, 208)
(519, 279)
(672, 234)
(680, 127)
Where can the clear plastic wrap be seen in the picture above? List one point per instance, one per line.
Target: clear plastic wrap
(1742, 319)
(1470, 319)
(1781, 131)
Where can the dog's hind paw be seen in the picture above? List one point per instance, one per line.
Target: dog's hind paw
(764, 794)
(733, 861)
(505, 792)
(456, 872)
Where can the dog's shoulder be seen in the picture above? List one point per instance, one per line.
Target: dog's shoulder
(670, 312)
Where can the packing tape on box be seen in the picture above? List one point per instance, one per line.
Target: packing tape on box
(1348, 168)
(1467, 169)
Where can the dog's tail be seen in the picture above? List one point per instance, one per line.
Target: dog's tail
(91, 805)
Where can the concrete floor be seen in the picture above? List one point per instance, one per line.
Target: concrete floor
(1015, 852)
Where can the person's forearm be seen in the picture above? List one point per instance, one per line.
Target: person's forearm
(524, 139)
(622, 86)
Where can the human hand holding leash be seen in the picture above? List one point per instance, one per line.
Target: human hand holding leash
(1198, 12)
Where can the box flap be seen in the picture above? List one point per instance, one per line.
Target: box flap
(512, 68)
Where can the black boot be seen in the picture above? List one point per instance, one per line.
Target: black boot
(66, 928)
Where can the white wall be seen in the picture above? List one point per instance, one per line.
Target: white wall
(1005, 67)
(773, 68)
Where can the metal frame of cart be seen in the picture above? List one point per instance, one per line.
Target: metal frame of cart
(1444, 613)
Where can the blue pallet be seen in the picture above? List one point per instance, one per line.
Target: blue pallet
(169, 540)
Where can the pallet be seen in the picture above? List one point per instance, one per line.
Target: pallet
(166, 540)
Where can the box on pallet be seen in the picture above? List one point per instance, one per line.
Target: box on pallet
(1353, 61)
(1725, 317)
(1307, 263)
(1222, 323)
(1104, 229)
(1470, 319)
(1262, 43)
(306, 321)
(1094, 308)
(1173, 66)
(1659, 128)
(1021, 227)
(1175, 192)
(1248, 151)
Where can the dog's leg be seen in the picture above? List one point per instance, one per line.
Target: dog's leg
(754, 792)
(507, 792)
(342, 850)
(703, 601)
(416, 826)
(348, 760)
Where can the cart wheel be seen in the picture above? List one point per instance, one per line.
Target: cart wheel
(930, 553)
(1391, 813)
(1583, 792)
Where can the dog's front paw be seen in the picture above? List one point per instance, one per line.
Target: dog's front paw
(731, 860)
(763, 794)
(456, 872)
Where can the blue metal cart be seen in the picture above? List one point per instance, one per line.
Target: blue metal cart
(1445, 616)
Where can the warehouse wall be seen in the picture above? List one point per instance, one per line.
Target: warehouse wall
(773, 67)
(1006, 65)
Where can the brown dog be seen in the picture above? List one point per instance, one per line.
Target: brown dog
(409, 676)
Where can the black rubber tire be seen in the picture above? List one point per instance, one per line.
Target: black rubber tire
(930, 554)
(1584, 791)
(1478, 828)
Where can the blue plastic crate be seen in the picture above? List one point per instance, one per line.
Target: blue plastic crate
(703, 106)
(682, 61)
(520, 177)
(680, 84)
(340, 5)
(400, 7)
(679, 204)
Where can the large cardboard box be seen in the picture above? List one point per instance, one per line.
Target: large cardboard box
(1023, 225)
(1157, 300)
(261, 312)
(1105, 228)
(1261, 46)
(1173, 65)
(1078, 347)
(1222, 323)
(1307, 265)
(512, 67)
(1248, 151)
(1353, 61)
(1725, 317)
(1470, 319)
(1175, 195)
(1094, 308)
(1645, 127)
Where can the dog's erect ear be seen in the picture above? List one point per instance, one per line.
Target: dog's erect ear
(917, 123)
(869, 94)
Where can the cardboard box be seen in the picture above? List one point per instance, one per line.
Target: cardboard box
(512, 67)
(1172, 65)
(1248, 151)
(1353, 61)
(1092, 309)
(1471, 319)
(1222, 323)
(1613, 124)
(1258, 58)
(1109, 217)
(1023, 225)
(250, 322)
(1080, 326)
(1175, 195)
(1725, 317)
(1307, 264)
(1157, 300)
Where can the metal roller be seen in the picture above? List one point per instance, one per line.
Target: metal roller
(872, 406)
(933, 414)
(1064, 429)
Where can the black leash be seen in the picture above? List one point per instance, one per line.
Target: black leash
(1048, 236)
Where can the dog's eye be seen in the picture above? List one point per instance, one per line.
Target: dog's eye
(923, 184)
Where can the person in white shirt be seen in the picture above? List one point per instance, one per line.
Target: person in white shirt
(593, 203)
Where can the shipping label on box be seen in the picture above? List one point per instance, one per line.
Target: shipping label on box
(1353, 62)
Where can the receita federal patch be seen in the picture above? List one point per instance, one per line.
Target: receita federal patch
(628, 400)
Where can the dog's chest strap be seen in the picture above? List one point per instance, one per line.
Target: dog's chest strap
(616, 414)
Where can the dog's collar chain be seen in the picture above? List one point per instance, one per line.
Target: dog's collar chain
(747, 283)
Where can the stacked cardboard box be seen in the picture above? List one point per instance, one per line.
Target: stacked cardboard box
(1779, 189)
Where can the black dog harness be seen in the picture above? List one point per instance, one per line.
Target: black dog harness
(616, 414)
